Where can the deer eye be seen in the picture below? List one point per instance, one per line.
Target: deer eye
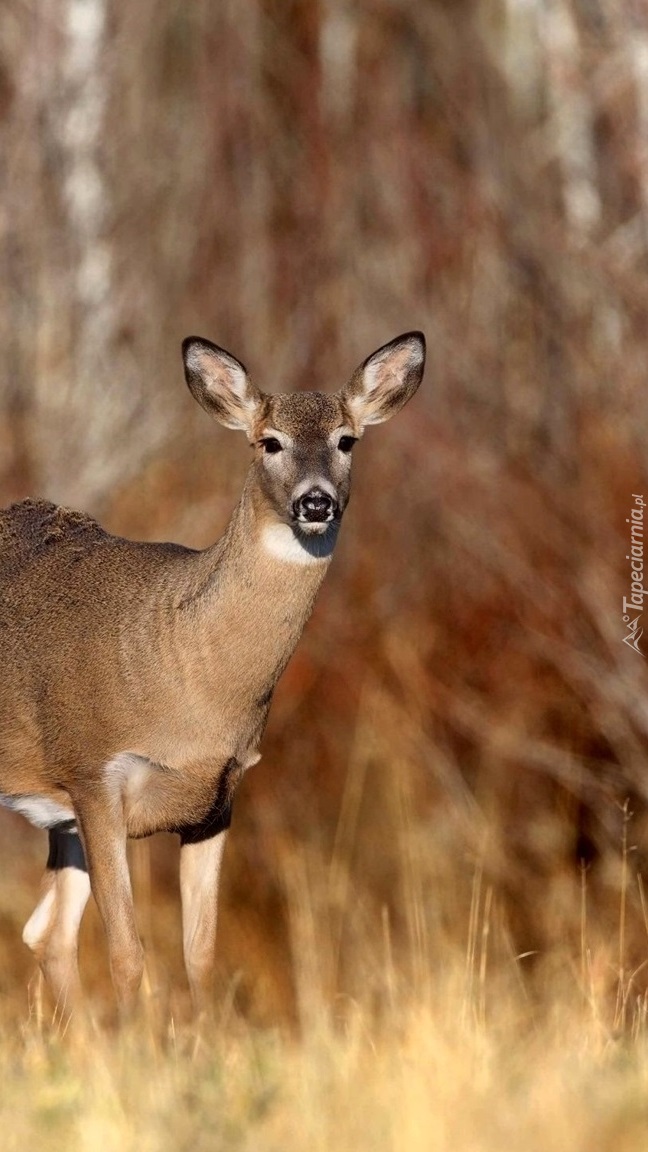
(345, 443)
(271, 445)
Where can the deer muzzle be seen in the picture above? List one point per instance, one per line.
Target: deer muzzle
(315, 507)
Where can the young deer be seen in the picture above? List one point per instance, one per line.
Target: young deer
(137, 677)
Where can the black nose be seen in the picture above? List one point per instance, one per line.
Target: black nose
(315, 506)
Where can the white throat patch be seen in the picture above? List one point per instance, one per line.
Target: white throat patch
(284, 543)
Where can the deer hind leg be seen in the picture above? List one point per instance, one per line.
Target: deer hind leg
(52, 931)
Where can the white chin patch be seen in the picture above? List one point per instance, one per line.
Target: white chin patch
(313, 527)
(294, 546)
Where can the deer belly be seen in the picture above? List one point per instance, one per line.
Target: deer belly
(41, 811)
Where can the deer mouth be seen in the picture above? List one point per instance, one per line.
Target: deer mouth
(313, 527)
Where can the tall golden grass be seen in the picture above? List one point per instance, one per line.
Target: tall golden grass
(440, 1046)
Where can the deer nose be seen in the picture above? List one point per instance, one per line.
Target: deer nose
(315, 506)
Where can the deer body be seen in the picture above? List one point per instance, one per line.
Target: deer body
(191, 617)
(137, 678)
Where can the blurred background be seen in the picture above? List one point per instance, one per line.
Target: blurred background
(457, 750)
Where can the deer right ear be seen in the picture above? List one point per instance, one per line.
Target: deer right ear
(220, 384)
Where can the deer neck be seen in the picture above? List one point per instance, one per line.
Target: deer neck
(255, 590)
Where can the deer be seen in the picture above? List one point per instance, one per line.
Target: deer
(137, 677)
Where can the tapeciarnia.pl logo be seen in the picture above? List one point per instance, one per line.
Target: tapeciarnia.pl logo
(634, 603)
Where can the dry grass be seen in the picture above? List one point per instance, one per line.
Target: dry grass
(445, 1042)
(432, 1083)
(439, 1049)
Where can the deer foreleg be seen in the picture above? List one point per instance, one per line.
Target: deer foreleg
(200, 866)
(103, 831)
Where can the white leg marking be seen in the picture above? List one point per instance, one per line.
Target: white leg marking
(200, 867)
(36, 927)
(57, 916)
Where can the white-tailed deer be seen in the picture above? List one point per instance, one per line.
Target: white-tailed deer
(137, 678)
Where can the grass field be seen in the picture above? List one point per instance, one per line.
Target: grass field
(422, 1079)
(447, 1042)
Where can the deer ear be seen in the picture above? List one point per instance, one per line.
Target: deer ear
(387, 379)
(220, 384)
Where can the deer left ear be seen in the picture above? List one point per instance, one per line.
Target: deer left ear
(387, 379)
